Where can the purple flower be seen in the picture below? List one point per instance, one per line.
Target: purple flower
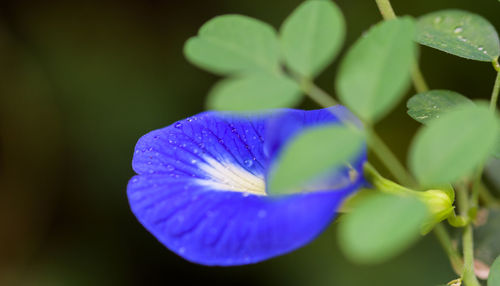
(200, 187)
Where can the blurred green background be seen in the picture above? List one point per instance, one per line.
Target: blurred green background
(81, 81)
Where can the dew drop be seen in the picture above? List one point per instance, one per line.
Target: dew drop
(134, 180)
(193, 161)
(458, 29)
(195, 151)
(245, 194)
(485, 52)
(480, 48)
(462, 39)
(178, 125)
(248, 163)
(151, 171)
(437, 20)
(150, 163)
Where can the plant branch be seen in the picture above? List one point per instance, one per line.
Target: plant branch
(444, 239)
(388, 158)
(496, 87)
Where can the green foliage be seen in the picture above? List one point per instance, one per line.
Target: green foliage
(460, 33)
(494, 277)
(380, 227)
(234, 44)
(434, 103)
(376, 70)
(254, 92)
(311, 36)
(313, 153)
(453, 145)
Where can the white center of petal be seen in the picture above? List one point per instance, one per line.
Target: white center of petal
(231, 177)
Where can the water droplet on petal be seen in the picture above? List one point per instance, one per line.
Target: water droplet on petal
(437, 20)
(178, 125)
(193, 161)
(248, 163)
(480, 48)
(458, 29)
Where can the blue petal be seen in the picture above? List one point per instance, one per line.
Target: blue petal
(200, 188)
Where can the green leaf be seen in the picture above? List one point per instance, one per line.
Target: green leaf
(232, 44)
(381, 227)
(432, 104)
(254, 92)
(459, 33)
(494, 277)
(311, 36)
(452, 146)
(312, 154)
(376, 70)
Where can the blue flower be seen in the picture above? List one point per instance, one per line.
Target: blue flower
(200, 187)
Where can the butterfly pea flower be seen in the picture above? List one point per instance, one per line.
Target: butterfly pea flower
(201, 186)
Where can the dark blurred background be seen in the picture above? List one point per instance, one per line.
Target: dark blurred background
(81, 81)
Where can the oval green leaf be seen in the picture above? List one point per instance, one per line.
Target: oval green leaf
(459, 33)
(452, 146)
(381, 227)
(254, 92)
(376, 70)
(311, 36)
(232, 44)
(494, 277)
(433, 104)
(312, 154)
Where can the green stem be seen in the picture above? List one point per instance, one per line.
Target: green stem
(444, 239)
(468, 274)
(316, 93)
(386, 10)
(388, 158)
(418, 79)
(496, 87)
(486, 197)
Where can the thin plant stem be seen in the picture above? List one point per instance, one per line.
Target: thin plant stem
(314, 92)
(444, 239)
(387, 12)
(385, 8)
(485, 195)
(388, 158)
(496, 87)
(418, 79)
(468, 274)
